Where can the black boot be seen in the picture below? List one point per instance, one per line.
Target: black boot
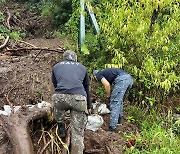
(61, 129)
(112, 129)
(121, 120)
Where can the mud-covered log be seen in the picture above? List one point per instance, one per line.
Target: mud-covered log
(16, 126)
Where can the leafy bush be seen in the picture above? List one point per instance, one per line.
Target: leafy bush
(4, 31)
(2, 1)
(58, 11)
(143, 38)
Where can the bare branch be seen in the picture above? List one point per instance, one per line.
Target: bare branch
(5, 43)
(28, 49)
(26, 43)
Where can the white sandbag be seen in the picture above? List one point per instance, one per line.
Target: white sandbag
(94, 122)
(7, 109)
(16, 108)
(95, 105)
(102, 109)
(44, 104)
(4, 113)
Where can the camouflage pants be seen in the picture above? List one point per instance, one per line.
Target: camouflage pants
(122, 84)
(77, 104)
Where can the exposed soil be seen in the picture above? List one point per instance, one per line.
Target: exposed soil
(25, 78)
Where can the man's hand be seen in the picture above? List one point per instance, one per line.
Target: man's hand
(108, 102)
(89, 111)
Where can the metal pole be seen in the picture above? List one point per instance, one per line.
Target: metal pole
(82, 25)
(93, 18)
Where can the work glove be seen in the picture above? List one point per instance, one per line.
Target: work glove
(108, 102)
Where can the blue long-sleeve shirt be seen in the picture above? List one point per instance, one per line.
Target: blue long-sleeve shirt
(109, 74)
(71, 77)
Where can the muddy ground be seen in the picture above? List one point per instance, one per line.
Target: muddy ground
(25, 78)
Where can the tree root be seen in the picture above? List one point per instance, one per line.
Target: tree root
(46, 145)
(21, 41)
(16, 126)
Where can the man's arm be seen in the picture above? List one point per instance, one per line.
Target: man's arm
(86, 87)
(54, 80)
(107, 87)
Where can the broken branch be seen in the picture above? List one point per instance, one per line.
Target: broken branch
(26, 43)
(8, 19)
(27, 49)
(37, 55)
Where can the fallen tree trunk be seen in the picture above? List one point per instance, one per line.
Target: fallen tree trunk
(16, 126)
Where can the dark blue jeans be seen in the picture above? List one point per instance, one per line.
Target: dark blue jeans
(122, 84)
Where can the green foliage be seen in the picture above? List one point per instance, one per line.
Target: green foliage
(176, 127)
(85, 49)
(36, 5)
(73, 23)
(142, 37)
(130, 119)
(4, 31)
(2, 1)
(157, 135)
(177, 109)
(1, 17)
(135, 115)
(91, 45)
(100, 91)
(58, 11)
(15, 35)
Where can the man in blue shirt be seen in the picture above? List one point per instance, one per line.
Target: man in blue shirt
(122, 82)
(71, 83)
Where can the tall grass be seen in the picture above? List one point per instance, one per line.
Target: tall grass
(158, 133)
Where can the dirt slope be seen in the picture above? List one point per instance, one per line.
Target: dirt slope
(26, 79)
